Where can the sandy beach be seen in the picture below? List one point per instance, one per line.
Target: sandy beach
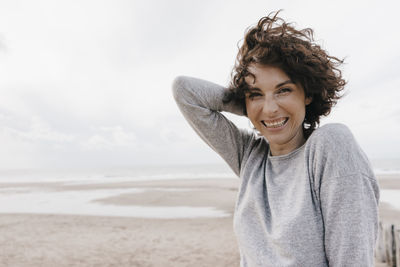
(78, 240)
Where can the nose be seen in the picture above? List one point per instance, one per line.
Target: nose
(270, 106)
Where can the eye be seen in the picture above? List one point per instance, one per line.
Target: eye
(253, 95)
(284, 90)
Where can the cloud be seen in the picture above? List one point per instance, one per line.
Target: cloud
(3, 46)
(109, 138)
(96, 89)
(38, 131)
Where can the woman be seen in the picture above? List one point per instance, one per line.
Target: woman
(308, 196)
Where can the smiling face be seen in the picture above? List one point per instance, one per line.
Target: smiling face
(276, 106)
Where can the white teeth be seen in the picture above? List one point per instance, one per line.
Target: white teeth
(275, 124)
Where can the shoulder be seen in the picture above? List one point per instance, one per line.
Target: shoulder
(332, 133)
(332, 137)
(257, 144)
(333, 147)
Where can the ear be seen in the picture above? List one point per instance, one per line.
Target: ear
(308, 100)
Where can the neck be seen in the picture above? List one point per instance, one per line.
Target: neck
(279, 150)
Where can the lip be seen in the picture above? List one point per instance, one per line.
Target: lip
(275, 129)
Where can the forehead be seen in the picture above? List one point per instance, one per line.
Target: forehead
(265, 75)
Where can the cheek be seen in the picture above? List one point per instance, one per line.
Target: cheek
(250, 109)
(252, 114)
(300, 112)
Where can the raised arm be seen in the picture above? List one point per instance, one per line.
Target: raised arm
(201, 104)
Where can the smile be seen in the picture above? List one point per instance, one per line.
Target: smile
(275, 123)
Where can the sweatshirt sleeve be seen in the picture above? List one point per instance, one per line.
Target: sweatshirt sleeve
(348, 194)
(201, 104)
(350, 212)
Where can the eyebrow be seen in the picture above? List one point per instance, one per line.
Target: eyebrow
(283, 83)
(251, 88)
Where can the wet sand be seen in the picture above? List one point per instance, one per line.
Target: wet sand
(387, 213)
(71, 240)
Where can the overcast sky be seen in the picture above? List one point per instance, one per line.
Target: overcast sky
(88, 83)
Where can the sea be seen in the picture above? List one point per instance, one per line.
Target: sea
(25, 191)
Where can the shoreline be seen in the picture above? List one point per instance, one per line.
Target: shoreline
(73, 240)
(80, 240)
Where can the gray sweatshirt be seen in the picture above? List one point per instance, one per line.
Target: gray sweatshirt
(316, 206)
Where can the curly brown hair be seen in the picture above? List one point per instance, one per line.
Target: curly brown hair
(276, 43)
